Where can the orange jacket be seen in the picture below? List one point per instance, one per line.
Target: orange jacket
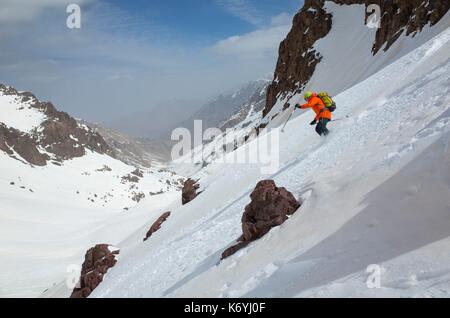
(318, 106)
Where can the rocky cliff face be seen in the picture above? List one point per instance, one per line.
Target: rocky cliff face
(402, 17)
(298, 60)
(57, 138)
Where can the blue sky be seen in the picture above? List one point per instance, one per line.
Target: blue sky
(134, 55)
(201, 22)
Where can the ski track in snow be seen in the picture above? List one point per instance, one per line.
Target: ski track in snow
(396, 123)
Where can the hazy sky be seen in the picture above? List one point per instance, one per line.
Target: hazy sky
(133, 55)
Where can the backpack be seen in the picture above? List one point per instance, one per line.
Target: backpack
(327, 100)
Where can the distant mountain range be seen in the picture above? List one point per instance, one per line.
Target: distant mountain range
(224, 111)
(229, 110)
(157, 122)
(143, 152)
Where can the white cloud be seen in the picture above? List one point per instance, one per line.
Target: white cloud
(242, 9)
(258, 43)
(109, 66)
(281, 19)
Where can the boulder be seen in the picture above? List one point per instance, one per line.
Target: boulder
(189, 191)
(270, 206)
(97, 261)
(157, 225)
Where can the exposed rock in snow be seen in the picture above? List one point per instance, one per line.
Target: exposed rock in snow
(53, 135)
(98, 260)
(402, 16)
(138, 173)
(157, 225)
(189, 191)
(138, 196)
(20, 146)
(270, 207)
(130, 178)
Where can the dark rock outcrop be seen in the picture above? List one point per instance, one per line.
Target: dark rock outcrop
(189, 191)
(14, 142)
(138, 173)
(137, 196)
(157, 225)
(398, 16)
(130, 178)
(58, 138)
(63, 137)
(270, 206)
(298, 60)
(98, 260)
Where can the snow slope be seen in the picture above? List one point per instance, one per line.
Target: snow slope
(50, 215)
(29, 119)
(376, 191)
(347, 59)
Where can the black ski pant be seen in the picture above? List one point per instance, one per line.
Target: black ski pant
(321, 127)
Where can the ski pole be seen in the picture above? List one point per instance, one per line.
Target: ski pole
(289, 118)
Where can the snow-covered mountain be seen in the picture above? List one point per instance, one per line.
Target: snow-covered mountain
(228, 110)
(156, 122)
(375, 193)
(250, 110)
(141, 152)
(60, 187)
(36, 133)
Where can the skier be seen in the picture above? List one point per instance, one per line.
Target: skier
(323, 115)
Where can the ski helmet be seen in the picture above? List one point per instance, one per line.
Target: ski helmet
(308, 95)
